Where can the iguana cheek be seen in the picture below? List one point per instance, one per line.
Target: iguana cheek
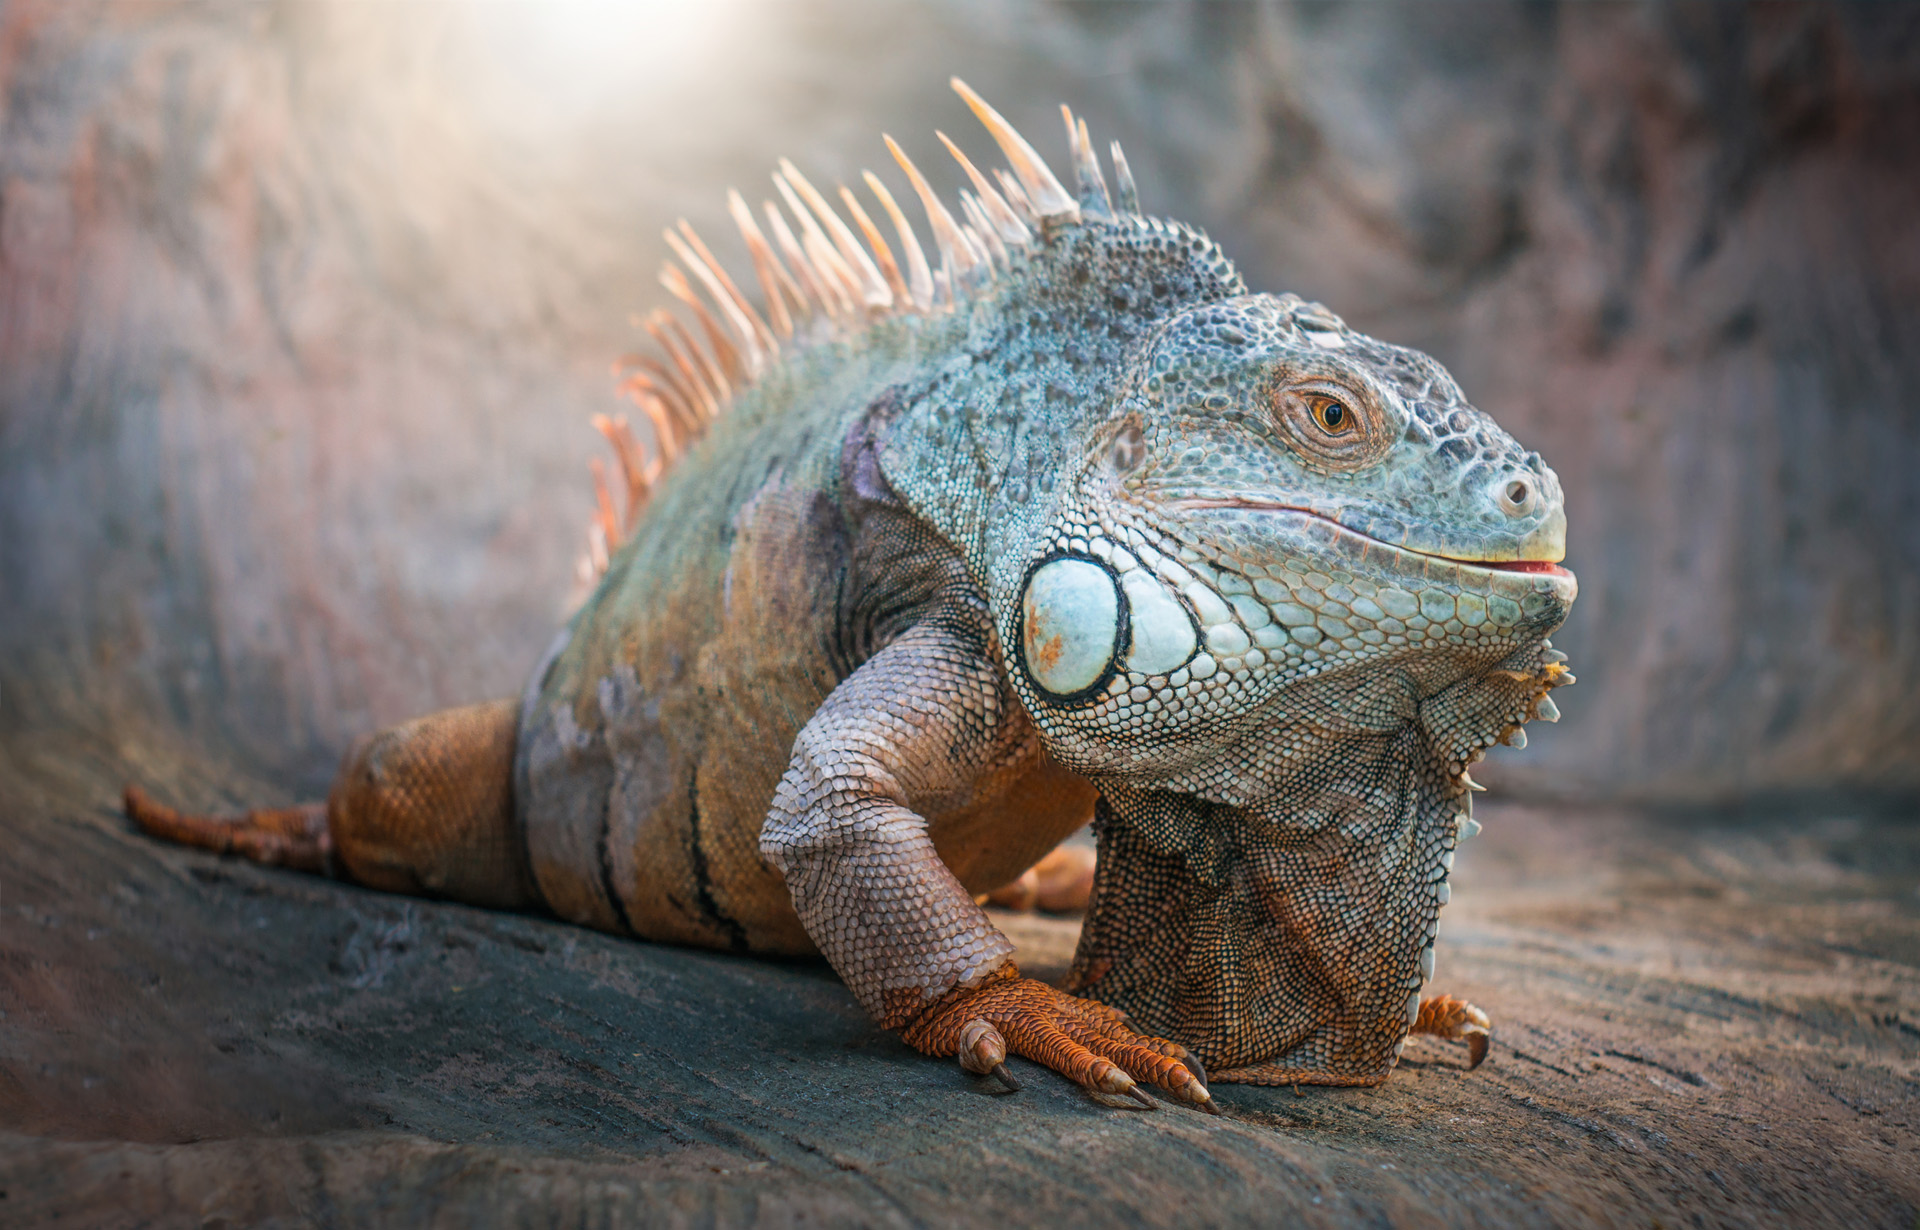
(1070, 625)
(1163, 635)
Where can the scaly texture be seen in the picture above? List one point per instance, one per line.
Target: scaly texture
(921, 719)
(924, 558)
(1087, 1042)
(423, 808)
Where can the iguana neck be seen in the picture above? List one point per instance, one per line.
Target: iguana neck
(1278, 947)
(990, 434)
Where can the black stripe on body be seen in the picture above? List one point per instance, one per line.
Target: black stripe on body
(702, 876)
(604, 846)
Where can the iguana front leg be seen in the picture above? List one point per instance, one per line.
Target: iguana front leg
(910, 732)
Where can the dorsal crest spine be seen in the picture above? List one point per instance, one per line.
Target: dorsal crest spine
(827, 279)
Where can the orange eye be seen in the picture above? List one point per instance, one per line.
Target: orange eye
(1332, 425)
(1330, 416)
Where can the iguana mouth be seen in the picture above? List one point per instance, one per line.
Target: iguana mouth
(1547, 567)
(1536, 567)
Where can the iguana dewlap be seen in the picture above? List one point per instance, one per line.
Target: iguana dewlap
(926, 562)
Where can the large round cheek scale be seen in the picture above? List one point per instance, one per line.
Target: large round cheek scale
(1070, 625)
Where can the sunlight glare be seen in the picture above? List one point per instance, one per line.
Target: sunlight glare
(581, 53)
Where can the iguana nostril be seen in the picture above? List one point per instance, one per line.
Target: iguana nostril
(1517, 497)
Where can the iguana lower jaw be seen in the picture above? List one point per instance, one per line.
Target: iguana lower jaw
(1168, 652)
(1539, 553)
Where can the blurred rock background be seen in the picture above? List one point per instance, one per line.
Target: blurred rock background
(304, 309)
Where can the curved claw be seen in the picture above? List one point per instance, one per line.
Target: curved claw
(1446, 1016)
(1082, 1040)
(1006, 1078)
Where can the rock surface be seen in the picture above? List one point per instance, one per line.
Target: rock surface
(1696, 1023)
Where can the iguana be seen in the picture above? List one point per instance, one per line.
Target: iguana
(1074, 524)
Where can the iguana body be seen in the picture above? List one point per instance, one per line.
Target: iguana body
(1082, 518)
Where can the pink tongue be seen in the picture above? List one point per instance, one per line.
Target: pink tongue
(1527, 565)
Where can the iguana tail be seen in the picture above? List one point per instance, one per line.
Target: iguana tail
(424, 808)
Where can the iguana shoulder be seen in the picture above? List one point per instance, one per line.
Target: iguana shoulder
(824, 493)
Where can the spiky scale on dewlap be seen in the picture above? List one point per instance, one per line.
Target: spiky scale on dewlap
(931, 559)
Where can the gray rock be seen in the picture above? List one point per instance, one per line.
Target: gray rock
(1705, 1020)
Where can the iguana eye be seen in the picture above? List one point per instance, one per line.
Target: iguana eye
(1332, 424)
(1333, 416)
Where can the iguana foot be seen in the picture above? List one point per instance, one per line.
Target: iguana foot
(1060, 883)
(1087, 1042)
(1443, 1016)
(293, 837)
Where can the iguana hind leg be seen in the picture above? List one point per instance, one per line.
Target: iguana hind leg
(1444, 1016)
(1060, 883)
(424, 808)
(293, 837)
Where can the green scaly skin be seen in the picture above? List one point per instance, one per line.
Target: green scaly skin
(1268, 584)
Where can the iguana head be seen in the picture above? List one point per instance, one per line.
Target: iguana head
(1276, 502)
(1297, 586)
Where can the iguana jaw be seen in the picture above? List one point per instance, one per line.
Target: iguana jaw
(1539, 554)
